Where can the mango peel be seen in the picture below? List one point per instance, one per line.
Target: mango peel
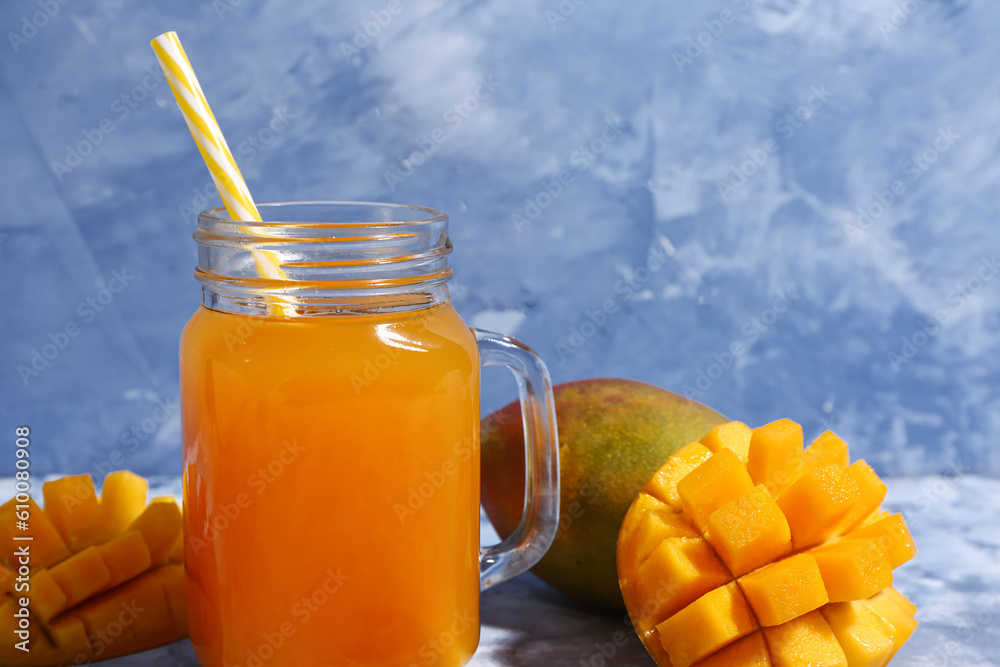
(743, 549)
(613, 434)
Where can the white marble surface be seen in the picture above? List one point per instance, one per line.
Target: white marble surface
(955, 582)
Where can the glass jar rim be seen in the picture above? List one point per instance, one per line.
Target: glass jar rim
(219, 221)
(327, 256)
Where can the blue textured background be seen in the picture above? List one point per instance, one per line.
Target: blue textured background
(714, 157)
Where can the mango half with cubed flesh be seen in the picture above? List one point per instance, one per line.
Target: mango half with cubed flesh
(743, 549)
(103, 575)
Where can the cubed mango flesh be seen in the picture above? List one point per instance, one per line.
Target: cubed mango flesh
(734, 436)
(7, 580)
(807, 641)
(901, 600)
(750, 531)
(39, 647)
(109, 581)
(642, 504)
(140, 607)
(775, 455)
(892, 536)
(717, 481)
(871, 490)
(853, 569)
(860, 632)
(126, 557)
(658, 526)
(81, 575)
(708, 624)
(123, 499)
(46, 598)
(74, 509)
(817, 504)
(827, 449)
(684, 569)
(751, 651)
(172, 579)
(895, 617)
(784, 590)
(176, 553)
(47, 545)
(8, 625)
(651, 639)
(663, 485)
(67, 632)
(161, 526)
(875, 516)
(807, 543)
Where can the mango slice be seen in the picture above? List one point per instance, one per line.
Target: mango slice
(47, 597)
(7, 580)
(643, 504)
(853, 569)
(81, 576)
(685, 569)
(718, 480)
(709, 623)
(783, 559)
(72, 505)
(775, 455)
(176, 554)
(901, 600)
(658, 526)
(47, 545)
(874, 517)
(123, 498)
(663, 485)
(96, 563)
(161, 525)
(143, 608)
(827, 449)
(734, 436)
(785, 590)
(807, 641)
(860, 632)
(892, 536)
(896, 618)
(871, 492)
(67, 633)
(126, 556)
(817, 504)
(750, 531)
(751, 651)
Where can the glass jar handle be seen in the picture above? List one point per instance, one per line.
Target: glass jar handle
(540, 520)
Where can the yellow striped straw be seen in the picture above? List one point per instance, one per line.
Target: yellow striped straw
(212, 146)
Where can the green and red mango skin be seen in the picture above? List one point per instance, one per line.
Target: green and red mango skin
(613, 435)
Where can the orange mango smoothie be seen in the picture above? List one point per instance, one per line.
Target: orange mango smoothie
(331, 488)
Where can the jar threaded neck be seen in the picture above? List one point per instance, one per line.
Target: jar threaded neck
(334, 257)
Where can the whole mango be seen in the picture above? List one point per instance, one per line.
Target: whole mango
(613, 435)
